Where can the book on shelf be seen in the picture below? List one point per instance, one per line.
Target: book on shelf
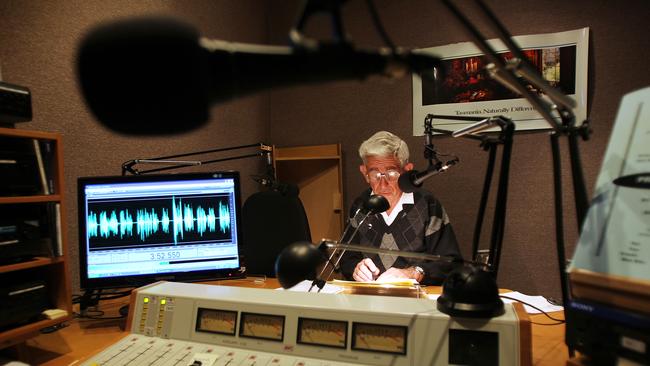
(28, 230)
(41, 168)
(49, 159)
(59, 239)
(44, 153)
(19, 167)
(56, 240)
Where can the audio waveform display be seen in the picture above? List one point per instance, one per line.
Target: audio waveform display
(158, 221)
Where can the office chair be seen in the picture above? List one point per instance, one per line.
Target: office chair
(272, 219)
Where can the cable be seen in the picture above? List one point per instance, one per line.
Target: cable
(92, 313)
(90, 301)
(76, 298)
(559, 321)
(380, 28)
(116, 296)
(97, 317)
(438, 154)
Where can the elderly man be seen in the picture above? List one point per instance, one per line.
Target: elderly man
(415, 222)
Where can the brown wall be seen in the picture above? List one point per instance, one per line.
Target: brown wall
(349, 112)
(38, 40)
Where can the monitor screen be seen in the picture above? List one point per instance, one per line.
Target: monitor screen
(135, 230)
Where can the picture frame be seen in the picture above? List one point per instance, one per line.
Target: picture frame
(462, 86)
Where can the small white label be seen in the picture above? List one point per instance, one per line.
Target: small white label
(633, 344)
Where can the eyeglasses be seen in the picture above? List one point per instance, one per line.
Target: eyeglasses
(375, 176)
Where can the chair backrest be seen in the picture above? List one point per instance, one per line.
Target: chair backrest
(272, 220)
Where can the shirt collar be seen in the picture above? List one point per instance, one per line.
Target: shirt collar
(405, 199)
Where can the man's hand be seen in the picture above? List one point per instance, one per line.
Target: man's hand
(400, 273)
(366, 270)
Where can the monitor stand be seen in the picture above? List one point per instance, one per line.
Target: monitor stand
(88, 299)
(92, 297)
(124, 310)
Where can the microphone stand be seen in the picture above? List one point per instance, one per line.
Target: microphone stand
(509, 75)
(489, 144)
(319, 281)
(374, 204)
(468, 291)
(429, 150)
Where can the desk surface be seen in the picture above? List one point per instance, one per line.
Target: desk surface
(83, 337)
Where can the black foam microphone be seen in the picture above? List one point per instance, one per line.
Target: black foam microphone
(156, 76)
(372, 205)
(376, 204)
(412, 180)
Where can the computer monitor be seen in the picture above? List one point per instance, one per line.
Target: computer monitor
(135, 230)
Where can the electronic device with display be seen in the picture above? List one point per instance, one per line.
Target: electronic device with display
(181, 323)
(135, 230)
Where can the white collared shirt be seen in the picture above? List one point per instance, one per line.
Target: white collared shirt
(406, 198)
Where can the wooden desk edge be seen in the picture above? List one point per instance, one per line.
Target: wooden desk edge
(525, 335)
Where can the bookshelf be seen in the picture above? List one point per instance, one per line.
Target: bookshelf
(33, 183)
(317, 171)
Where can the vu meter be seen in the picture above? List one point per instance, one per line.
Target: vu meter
(262, 326)
(379, 338)
(216, 321)
(330, 333)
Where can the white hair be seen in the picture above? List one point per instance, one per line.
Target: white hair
(384, 144)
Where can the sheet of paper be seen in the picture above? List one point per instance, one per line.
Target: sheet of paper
(615, 236)
(305, 285)
(537, 301)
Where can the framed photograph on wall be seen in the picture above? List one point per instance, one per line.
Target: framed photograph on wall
(464, 88)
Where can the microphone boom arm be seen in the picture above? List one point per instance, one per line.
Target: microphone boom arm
(328, 244)
(500, 72)
(336, 247)
(265, 151)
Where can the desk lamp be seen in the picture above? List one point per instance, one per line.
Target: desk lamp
(469, 290)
